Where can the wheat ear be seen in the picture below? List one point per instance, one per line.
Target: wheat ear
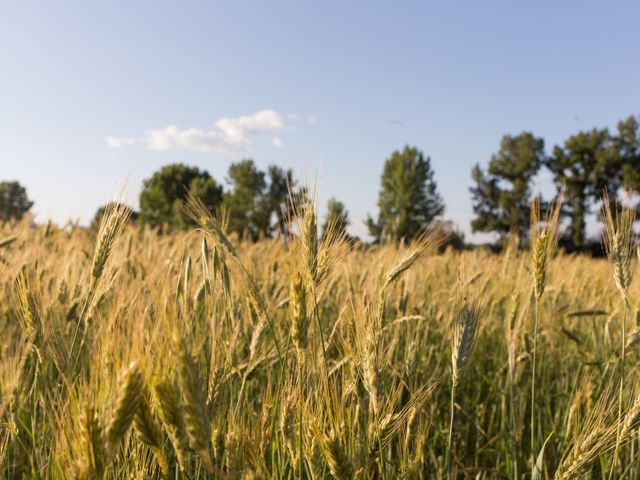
(130, 394)
(196, 418)
(149, 431)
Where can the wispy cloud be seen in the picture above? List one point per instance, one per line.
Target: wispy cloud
(277, 142)
(229, 135)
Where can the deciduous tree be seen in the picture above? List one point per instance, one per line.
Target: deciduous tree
(587, 163)
(14, 202)
(501, 196)
(163, 195)
(337, 218)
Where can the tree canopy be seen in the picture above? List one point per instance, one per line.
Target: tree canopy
(261, 204)
(285, 198)
(628, 148)
(587, 163)
(248, 210)
(163, 194)
(409, 199)
(501, 196)
(337, 218)
(14, 202)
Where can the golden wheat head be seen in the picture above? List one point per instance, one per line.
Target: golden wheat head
(619, 242)
(544, 239)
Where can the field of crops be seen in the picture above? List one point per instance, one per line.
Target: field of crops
(129, 354)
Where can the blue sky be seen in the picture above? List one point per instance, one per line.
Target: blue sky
(94, 92)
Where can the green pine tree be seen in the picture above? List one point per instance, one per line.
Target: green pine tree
(409, 199)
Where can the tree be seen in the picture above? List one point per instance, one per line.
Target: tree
(408, 199)
(337, 218)
(587, 163)
(249, 213)
(262, 204)
(501, 197)
(284, 199)
(14, 202)
(628, 144)
(163, 195)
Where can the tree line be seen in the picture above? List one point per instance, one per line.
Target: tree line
(257, 203)
(587, 164)
(260, 203)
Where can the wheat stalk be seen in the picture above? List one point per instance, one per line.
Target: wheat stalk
(131, 390)
(599, 435)
(28, 312)
(299, 317)
(464, 337)
(170, 411)
(195, 415)
(465, 329)
(95, 454)
(337, 460)
(544, 239)
(149, 431)
(114, 220)
(619, 243)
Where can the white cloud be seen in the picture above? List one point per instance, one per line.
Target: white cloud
(160, 140)
(117, 142)
(229, 135)
(240, 128)
(277, 142)
(192, 139)
(312, 120)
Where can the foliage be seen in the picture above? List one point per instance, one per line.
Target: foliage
(249, 214)
(587, 164)
(501, 196)
(285, 199)
(161, 201)
(628, 144)
(14, 202)
(253, 202)
(408, 199)
(337, 218)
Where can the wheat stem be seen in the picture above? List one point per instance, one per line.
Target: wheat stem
(536, 312)
(621, 390)
(450, 438)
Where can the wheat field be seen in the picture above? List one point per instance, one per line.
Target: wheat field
(129, 354)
